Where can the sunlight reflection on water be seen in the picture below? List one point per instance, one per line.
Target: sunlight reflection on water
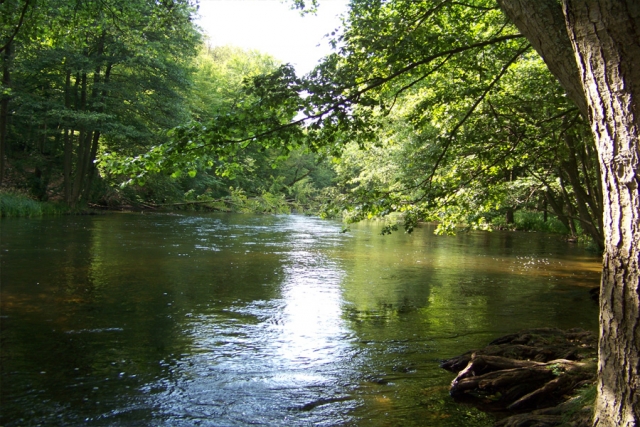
(294, 343)
(237, 320)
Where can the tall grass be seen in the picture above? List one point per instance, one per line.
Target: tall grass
(14, 204)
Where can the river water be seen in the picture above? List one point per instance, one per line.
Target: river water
(242, 320)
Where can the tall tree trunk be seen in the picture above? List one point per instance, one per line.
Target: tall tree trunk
(84, 139)
(68, 142)
(4, 108)
(90, 147)
(605, 35)
(91, 168)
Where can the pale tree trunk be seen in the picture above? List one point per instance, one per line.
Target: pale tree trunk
(606, 38)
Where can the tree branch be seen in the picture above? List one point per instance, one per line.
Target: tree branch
(375, 83)
(18, 26)
(470, 111)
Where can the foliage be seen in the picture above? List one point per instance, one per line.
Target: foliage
(432, 118)
(530, 221)
(458, 123)
(478, 133)
(15, 204)
(424, 115)
(85, 77)
(222, 88)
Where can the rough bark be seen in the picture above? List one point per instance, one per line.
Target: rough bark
(606, 38)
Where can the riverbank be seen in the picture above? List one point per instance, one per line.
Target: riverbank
(543, 377)
(16, 204)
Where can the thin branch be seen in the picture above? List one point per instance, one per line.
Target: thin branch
(470, 111)
(413, 83)
(377, 82)
(298, 179)
(429, 13)
(18, 26)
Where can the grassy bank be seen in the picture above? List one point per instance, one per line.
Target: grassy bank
(15, 204)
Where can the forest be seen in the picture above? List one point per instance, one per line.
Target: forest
(101, 117)
(475, 115)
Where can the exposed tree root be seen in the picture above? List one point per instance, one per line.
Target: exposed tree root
(528, 371)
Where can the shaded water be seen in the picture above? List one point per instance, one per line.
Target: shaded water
(238, 320)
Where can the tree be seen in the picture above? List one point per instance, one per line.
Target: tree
(593, 48)
(604, 39)
(525, 142)
(86, 76)
(12, 15)
(605, 36)
(266, 177)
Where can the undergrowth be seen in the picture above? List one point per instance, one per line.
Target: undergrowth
(579, 410)
(15, 204)
(531, 221)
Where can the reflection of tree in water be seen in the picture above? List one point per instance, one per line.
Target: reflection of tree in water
(135, 312)
(470, 282)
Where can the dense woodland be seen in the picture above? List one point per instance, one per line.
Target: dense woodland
(99, 99)
(85, 80)
(434, 110)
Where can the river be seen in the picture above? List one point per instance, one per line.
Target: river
(243, 320)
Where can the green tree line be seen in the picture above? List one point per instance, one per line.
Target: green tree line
(79, 76)
(89, 85)
(459, 112)
(106, 103)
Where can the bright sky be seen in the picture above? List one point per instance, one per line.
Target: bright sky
(270, 26)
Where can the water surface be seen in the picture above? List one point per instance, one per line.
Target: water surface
(240, 320)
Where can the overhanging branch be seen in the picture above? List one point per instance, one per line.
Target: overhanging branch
(376, 83)
(470, 111)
